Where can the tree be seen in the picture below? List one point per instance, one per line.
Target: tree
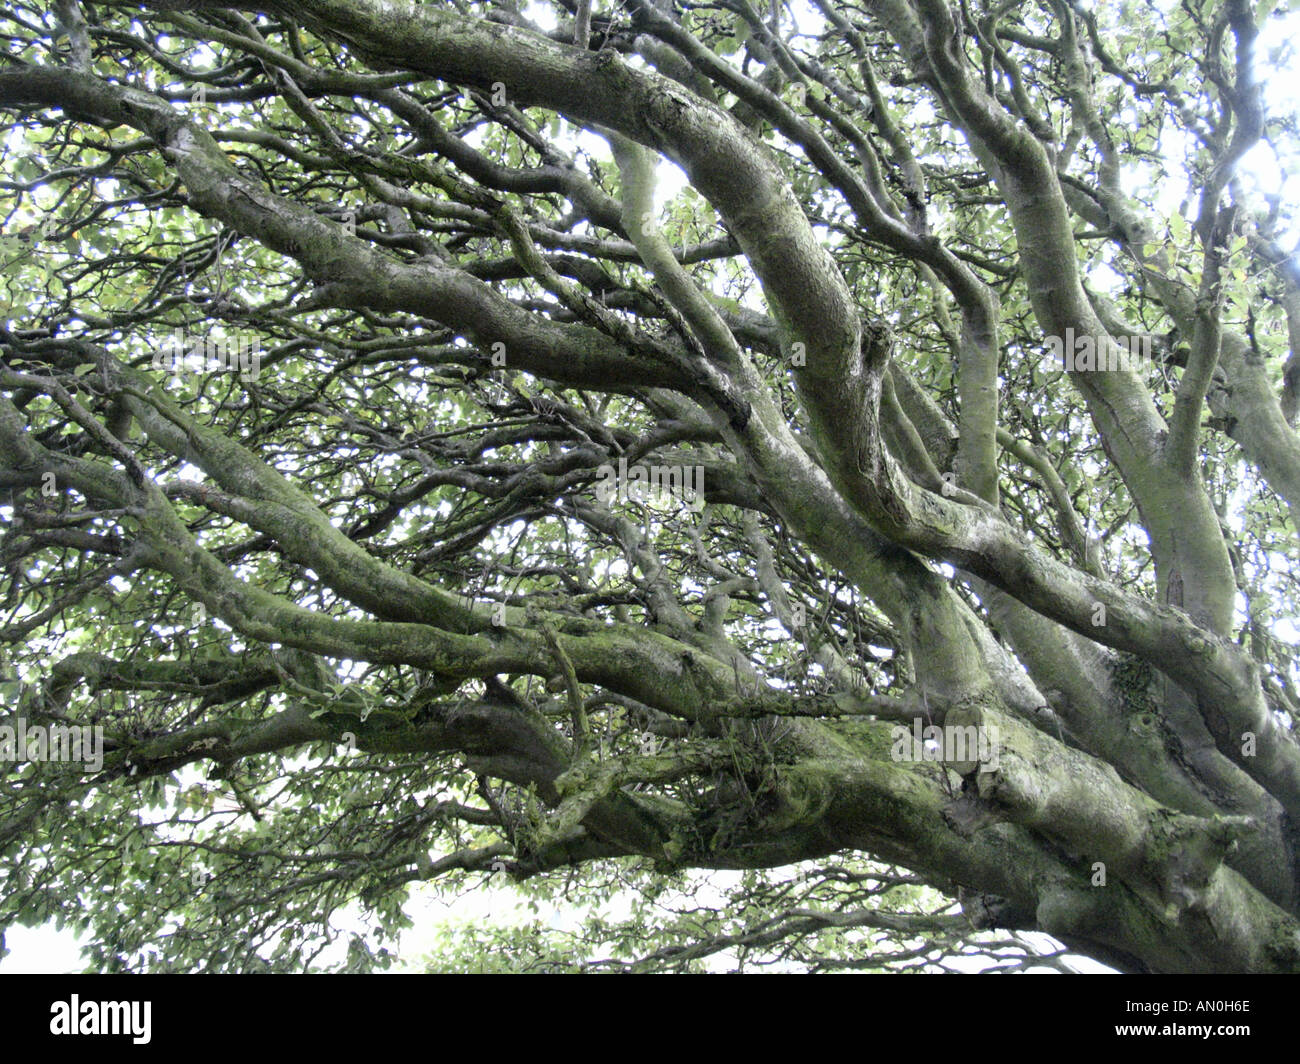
(846, 446)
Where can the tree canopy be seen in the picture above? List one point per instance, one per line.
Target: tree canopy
(589, 447)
